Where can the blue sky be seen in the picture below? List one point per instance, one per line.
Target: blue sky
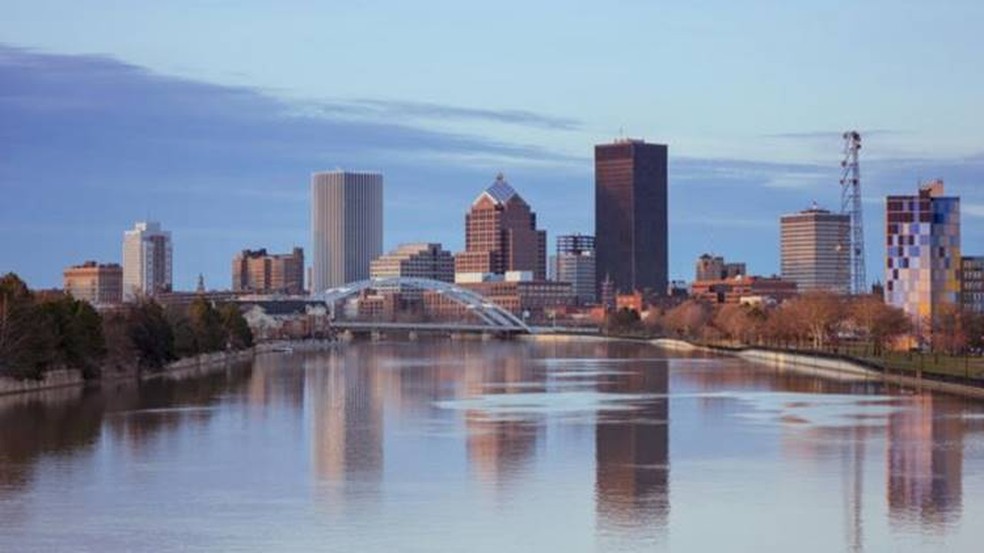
(210, 116)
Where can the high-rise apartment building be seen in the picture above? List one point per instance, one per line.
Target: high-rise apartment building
(263, 273)
(147, 255)
(501, 235)
(631, 215)
(421, 260)
(346, 226)
(814, 250)
(575, 263)
(95, 283)
(922, 259)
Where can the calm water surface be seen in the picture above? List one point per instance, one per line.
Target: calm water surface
(442, 446)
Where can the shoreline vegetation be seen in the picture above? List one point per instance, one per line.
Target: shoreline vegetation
(49, 339)
(862, 330)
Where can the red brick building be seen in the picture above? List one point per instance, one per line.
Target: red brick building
(501, 235)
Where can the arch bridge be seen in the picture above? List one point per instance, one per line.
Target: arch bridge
(492, 316)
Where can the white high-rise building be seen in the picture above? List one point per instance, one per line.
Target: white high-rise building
(146, 260)
(346, 226)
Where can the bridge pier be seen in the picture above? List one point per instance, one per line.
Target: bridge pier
(376, 336)
(346, 336)
(413, 336)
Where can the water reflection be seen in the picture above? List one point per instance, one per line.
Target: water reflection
(925, 464)
(632, 450)
(500, 447)
(363, 447)
(346, 398)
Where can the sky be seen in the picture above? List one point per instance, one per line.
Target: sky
(210, 116)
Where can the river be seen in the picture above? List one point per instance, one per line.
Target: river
(491, 446)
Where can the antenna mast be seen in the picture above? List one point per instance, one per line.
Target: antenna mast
(851, 205)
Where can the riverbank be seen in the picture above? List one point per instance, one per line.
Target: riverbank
(189, 366)
(827, 367)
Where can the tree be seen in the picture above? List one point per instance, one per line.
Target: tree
(22, 352)
(120, 351)
(819, 313)
(624, 319)
(688, 319)
(975, 330)
(734, 322)
(877, 321)
(72, 332)
(949, 330)
(205, 320)
(240, 335)
(151, 334)
(185, 339)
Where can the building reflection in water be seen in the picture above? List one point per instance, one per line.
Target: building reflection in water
(632, 447)
(500, 446)
(344, 391)
(277, 381)
(925, 464)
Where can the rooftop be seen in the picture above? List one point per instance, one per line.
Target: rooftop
(499, 191)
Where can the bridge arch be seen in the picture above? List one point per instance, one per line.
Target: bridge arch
(491, 314)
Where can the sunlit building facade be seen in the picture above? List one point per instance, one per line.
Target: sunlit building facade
(147, 253)
(575, 263)
(96, 283)
(346, 226)
(265, 273)
(422, 260)
(814, 252)
(501, 235)
(922, 261)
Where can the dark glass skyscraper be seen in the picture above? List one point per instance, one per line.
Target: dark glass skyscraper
(630, 215)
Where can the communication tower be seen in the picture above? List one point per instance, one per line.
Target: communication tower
(851, 205)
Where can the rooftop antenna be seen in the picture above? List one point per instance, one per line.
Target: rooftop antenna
(851, 205)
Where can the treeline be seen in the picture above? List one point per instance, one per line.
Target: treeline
(44, 332)
(815, 320)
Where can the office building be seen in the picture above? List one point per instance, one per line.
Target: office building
(744, 288)
(922, 259)
(501, 235)
(814, 250)
(712, 267)
(346, 226)
(535, 301)
(95, 283)
(421, 260)
(263, 273)
(631, 215)
(575, 263)
(147, 256)
(972, 284)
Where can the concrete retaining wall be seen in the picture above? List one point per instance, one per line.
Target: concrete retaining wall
(52, 379)
(821, 366)
(179, 368)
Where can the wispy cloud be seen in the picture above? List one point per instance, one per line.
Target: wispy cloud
(391, 110)
(89, 143)
(972, 209)
(826, 135)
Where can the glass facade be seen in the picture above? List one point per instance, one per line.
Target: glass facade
(631, 215)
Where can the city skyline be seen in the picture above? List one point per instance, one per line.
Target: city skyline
(219, 151)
